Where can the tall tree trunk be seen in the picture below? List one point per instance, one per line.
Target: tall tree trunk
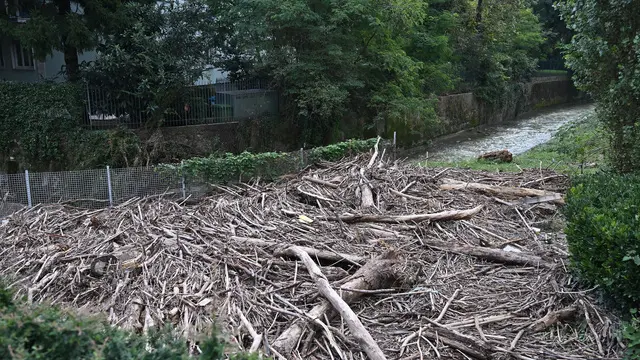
(70, 51)
(479, 10)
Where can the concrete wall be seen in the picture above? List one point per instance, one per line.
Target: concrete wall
(457, 112)
(462, 111)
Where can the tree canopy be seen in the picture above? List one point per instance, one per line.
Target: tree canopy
(368, 64)
(370, 59)
(604, 54)
(63, 25)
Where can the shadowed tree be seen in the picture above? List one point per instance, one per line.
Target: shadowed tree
(62, 25)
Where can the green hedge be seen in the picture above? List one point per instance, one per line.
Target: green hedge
(603, 232)
(269, 165)
(47, 332)
(38, 121)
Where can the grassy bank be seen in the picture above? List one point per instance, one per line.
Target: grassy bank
(577, 147)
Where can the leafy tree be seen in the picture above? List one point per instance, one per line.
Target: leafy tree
(150, 58)
(63, 25)
(555, 32)
(504, 48)
(335, 60)
(604, 53)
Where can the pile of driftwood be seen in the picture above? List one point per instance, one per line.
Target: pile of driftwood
(360, 258)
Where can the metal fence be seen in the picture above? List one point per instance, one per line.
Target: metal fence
(95, 188)
(100, 188)
(193, 105)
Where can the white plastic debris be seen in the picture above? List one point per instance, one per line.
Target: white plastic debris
(511, 249)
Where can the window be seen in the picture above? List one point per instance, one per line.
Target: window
(22, 57)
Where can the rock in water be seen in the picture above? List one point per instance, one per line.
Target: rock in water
(500, 156)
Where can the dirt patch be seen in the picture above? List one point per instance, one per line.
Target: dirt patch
(471, 272)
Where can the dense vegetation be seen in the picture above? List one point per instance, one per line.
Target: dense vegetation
(374, 63)
(605, 57)
(40, 130)
(38, 123)
(359, 67)
(602, 210)
(268, 166)
(47, 332)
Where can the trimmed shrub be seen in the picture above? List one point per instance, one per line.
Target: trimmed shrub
(47, 332)
(603, 232)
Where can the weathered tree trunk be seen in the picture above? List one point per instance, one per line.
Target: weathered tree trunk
(72, 68)
(375, 274)
(450, 184)
(358, 330)
(503, 257)
(441, 216)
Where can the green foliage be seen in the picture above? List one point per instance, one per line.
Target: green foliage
(230, 167)
(504, 49)
(40, 128)
(38, 122)
(631, 335)
(604, 55)
(59, 25)
(581, 142)
(336, 60)
(269, 165)
(118, 147)
(555, 32)
(152, 57)
(47, 332)
(603, 232)
(340, 150)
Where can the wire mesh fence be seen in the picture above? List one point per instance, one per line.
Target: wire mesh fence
(192, 105)
(100, 188)
(96, 188)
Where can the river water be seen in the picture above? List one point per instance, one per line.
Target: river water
(516, 136)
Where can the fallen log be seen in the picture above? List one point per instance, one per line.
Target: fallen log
(553, 317)
(315, 253)
(358, 330)
(466, 344)
(378, 273)
(441, 216)
(450, 184)
(501, 256)
(321, 182)
(499, 155)
(541, 199)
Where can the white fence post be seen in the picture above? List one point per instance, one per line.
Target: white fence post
(184, 190)
(26, 180)
(395, 147)
(109, 186)
(301, 158)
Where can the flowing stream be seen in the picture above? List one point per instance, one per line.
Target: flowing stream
(516, 136)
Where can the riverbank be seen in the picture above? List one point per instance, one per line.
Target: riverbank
(577, 146)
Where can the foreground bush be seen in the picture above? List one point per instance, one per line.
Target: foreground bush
(603, 232)
(45, 332)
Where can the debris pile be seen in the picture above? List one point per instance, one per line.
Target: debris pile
(360, 258)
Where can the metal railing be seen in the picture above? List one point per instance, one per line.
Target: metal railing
(192, 105)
